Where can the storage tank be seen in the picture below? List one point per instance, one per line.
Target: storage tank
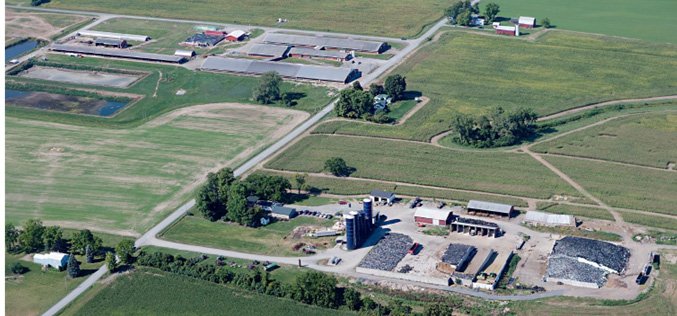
(367, 208)
(350, 231)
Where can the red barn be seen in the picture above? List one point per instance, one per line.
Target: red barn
(235, 36)
(506, 30)
(527, 22)
(430, 216)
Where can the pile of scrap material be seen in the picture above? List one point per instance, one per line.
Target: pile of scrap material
(456, 258)
(387, 253)
(585, 262)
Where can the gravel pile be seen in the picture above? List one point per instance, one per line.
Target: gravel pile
(387, 253)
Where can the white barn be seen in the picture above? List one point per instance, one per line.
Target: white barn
(55, 260)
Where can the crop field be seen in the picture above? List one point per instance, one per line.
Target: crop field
(623, 186)
(152, 292)
(377, 17)
(660, 300)
(159, 89)
(611, 17)
(274, 239)
(470, 73)
(650, 221)
(647, 140)
(125, 180)
(165, 36)
(497, 172)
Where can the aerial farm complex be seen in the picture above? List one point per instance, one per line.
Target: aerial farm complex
(353, 158)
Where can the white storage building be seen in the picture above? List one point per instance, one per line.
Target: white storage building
(120, 36)
(55, 260)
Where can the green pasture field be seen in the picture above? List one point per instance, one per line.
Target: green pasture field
(650, 221)
(273, 239)
(201, 88)
(124, 180)
(496, 172)
(471, 73)
(577, 211)
(35, 291)
(660, 300)
(611, 17)
(152, 292)
(165, 36)
(377, 17)
(400, 108)
(623, 186)
(647, 140)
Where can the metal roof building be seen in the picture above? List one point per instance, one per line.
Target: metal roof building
(293, 71)
(184, 53)
(527, 21)
(457, 257)
(203, 40)
(283, 212)
(268, 50)
(55, 260)
(541, 218)
(328, 42)
(378, 195)
(121, 36)
(319, 53)
(118, 53)
(490, 208)
(431, 216)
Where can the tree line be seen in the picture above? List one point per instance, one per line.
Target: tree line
(311, 287)
(356, 103)
(224, 197)
(496, 129)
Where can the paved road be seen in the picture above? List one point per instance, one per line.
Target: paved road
(78, 290)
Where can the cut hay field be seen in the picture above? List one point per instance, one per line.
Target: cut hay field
(376, 17)
(125, 180)
(274, 239)
(25, 24)
(623, 186)
(496, 172)
(152, 292)
(470, 73)
(200, 87)
(647, 140)
(611, 17)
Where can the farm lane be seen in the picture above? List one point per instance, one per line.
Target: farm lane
(603, 104)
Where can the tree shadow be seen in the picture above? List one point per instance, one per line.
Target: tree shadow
(295, 96)
(411, 95)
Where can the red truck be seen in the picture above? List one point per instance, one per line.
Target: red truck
(413, 248)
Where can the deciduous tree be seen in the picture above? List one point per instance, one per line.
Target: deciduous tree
(237, 204)
(317, 288)
(268, 89)
(352, 298)
(83, 238)
(300, 180)
(53, 238)
(337, 166)
(395, 85)
(437, 309)
(491, 11)
(376, 89)
(211, 198)
(545, 22)
(31, 236)
(111, 263)
(125, 249)
(11, 237)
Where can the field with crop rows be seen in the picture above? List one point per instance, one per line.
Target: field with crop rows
(151, 292)
(623, 186)
(647, 140)
(376, 17)
(470, 73)
(611, 17)
(497, 172)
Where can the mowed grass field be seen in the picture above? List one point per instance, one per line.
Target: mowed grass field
(496, 172)
(623, 186)
(612, 17)
(165, 36)
(647, 140)
(376, 17)
(125, 180)
(273, 239)
(152, 292)
(471, 73)
(201, 88)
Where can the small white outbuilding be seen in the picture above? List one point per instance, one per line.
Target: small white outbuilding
(55, 260)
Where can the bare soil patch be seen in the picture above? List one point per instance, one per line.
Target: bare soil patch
(30, 24)
(98, 78)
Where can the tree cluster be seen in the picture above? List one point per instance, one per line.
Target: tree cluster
(357, 103)
(225, 197)
(395, 86)
(34, 237)
(461, 12)
(354, 103)
(498, 128)
(36, 3)
(337, 166)
(268, 90)
(491, 11)
(313, 288)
